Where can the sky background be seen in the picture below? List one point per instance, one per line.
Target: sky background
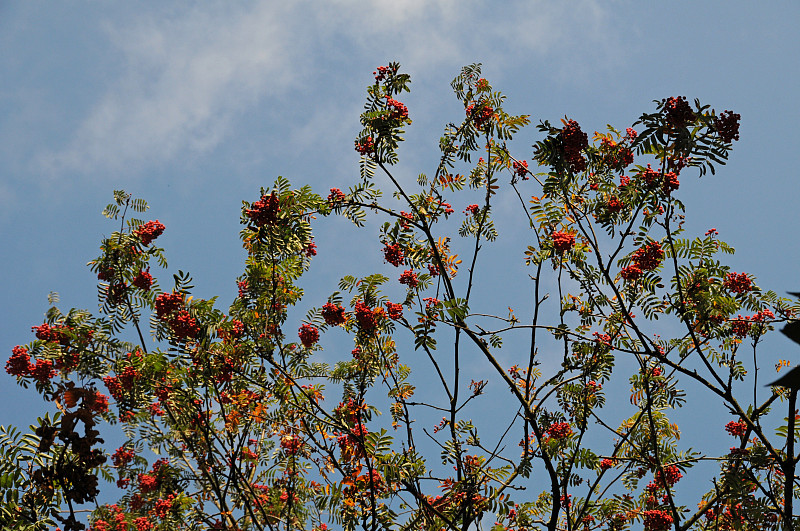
(194, 106)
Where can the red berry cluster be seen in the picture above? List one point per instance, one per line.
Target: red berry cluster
(265, 210)
(481, 114)
(573, 141)
(55, 333)
(147, 483)
(393, 254)
(127, 378)
(143, 280)
(647, 258)
(398, 111)
(122, 456)
(472, 209)
(310, 250)
(169, 308)
(482, 85)
(291, 444)
(409, 278)
(336, 195)
(19, 364)
(448, 208)
(559, 430)
(114, 387)
(405, 218)
(736, 428)
(394, 311)
(614, 205)
(562, 241)
(164, 506)
(603, 339)
(333, 314)
(308, 335)
(727, 126)
(631, 133)
(366, 317)
(520, 168)
(147, 232)
(166, 303)
(242, 285)
(670, 476)
(657, 520)
(384, 72)
(678, 111)
(742, 325)
(365, 146)
(654, 178)
(631, 272)
(738, 283)
(605, 464)
(42, 370)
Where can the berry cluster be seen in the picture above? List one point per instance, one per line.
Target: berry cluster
(559, 430)
(55, 333)
(365, 146)
(573, 141)
(114, 387)
(646, 258)
(333, 314)
(657, 520)
(394, 311)
(291, 444)
(736, 428)
(397, 111)
(265, 210)
(614, 205)
(366, 317)
(127, 377)
(562, 241)
(678, 111)
(122, 456)
(336, 195)
(668, 182)
(169, 308)
(143, 280)
(727, 126)
(520, 168)
(19, 364)
(742, 325)
(472, 209)
(393, 254)
(481, 114)
(384, 72)
(166, 303)
(147, 232)
(308, 335)
(738, 283)
(409, 278)
(671, 475)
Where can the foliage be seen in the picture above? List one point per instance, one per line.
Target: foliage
(225, 413)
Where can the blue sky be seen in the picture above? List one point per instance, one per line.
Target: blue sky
(195, 105)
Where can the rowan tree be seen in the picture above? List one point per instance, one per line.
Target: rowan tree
(234, 419)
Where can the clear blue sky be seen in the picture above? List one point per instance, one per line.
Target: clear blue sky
(195, 105)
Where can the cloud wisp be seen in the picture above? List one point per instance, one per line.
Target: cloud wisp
(188, 75)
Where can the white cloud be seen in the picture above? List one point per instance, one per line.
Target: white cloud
(188, 75)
